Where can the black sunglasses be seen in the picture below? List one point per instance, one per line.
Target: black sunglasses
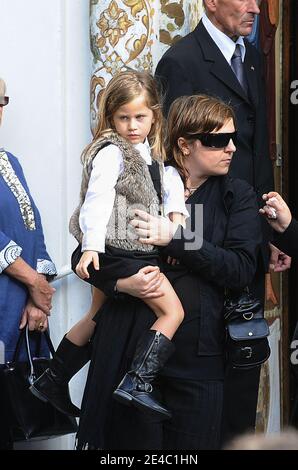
(4, 100)
(217, 141)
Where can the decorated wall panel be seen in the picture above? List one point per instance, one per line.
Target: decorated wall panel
(134, 34)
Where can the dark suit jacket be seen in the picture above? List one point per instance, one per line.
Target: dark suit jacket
(196, 65)
(288, 240)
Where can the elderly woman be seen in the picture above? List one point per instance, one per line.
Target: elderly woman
(25, 294)
(217, 250)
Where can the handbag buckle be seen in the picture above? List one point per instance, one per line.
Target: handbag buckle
(247, 351)
(248, 315)
(32, 377)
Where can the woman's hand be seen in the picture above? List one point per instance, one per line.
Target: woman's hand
(41, 293)
(145, 284)
(153, 230)
(36, 318)
(87, 258)
(276, 211)
(279, 261)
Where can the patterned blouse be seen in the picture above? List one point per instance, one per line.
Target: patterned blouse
(20, 235)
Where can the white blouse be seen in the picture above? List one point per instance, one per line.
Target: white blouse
(99, 200)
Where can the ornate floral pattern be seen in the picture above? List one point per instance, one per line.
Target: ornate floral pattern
(18, 191)
(44, 266)
(9, 254)
(134, 34)
(173, 20)
(113, 24)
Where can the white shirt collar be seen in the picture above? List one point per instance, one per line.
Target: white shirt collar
(145, 151)
(223, 42)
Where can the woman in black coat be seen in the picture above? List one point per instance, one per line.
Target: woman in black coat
(285, 228)
(217, 250)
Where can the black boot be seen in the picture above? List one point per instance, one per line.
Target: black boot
(52, 385)
(152, 352)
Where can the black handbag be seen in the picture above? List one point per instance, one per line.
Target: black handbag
(29, 417)
(246, 343)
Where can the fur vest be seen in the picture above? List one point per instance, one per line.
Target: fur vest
(134, 190)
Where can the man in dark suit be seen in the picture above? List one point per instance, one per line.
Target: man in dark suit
(216, 59)
(199, 63)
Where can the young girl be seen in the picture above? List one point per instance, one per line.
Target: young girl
(201, 138)
(122, 169)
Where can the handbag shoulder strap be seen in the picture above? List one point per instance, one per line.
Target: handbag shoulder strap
(18, 346)
(26, 333)
(49, 343)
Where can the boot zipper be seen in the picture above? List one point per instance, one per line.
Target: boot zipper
(155, 340)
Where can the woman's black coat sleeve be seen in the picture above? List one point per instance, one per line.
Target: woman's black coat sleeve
(288, 240)
(233, 264)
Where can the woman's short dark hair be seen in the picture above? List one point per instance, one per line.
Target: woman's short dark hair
(189, 115)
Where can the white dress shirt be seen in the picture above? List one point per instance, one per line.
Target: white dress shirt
(99, 200)
(225, 44)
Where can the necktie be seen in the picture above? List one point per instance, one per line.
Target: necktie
(238, 68)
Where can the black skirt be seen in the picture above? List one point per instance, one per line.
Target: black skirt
(120, 323)
(115, 263)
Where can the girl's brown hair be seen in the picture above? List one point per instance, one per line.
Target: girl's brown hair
(189, 115)
(122, 89)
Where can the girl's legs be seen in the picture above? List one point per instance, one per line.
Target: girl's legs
(83, 330)
(168, 310)
(71, 355)
(152, 352)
